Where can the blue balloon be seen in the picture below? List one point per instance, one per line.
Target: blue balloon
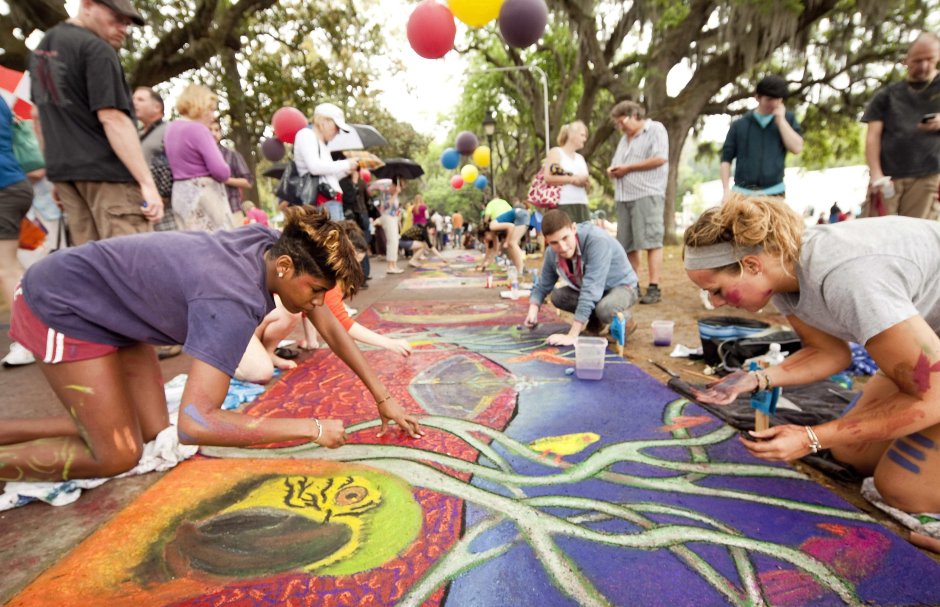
(450, 158)
(481, 182)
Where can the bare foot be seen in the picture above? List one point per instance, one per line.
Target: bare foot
(282, 363)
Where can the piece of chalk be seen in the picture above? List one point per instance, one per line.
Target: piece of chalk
(569, 371)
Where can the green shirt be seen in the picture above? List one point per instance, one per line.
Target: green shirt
(496, 207)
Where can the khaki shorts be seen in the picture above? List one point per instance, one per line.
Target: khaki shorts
(914, 197)
(640, 224)
(97, 210)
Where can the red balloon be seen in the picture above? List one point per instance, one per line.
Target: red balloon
(431, 30)
(456, 182)
(365, 175)
(286, 122)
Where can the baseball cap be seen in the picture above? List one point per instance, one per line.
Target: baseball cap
(773, 86)
(123, 7)
(328, 110)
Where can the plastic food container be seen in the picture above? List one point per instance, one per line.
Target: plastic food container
(662, 332)
(589, 353)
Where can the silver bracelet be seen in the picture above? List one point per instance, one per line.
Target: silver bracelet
(319, 429)
(814, 445)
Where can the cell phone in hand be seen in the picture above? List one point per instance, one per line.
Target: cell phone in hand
(927, 118)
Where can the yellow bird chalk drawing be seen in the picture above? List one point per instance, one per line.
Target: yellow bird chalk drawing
(566, 444)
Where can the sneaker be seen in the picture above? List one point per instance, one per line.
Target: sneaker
(18, 356)
(350, 310)
(653, 295)
(394, 271)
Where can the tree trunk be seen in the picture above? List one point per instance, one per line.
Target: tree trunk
(26, 16)
(238, 118)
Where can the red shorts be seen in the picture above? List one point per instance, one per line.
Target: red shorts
(47, 344)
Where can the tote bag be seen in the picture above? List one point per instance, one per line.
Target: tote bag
(541, 194)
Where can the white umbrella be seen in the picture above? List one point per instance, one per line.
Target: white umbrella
(361, 136)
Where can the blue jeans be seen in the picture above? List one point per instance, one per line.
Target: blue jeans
(335, 210)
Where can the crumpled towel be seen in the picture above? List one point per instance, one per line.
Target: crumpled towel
(925, 523)
(162, 453)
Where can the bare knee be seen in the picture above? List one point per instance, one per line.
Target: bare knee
(258, 372)
(119, 459)
(903, 490)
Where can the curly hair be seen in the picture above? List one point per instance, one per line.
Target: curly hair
(196, 101)
(320, 248)
(747, 222)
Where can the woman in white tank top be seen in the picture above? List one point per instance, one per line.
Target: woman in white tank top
(565, 167)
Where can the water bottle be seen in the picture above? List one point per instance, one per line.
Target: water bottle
(513, 282)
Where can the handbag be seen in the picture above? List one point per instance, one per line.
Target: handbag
(26, 147)
(162, 174)
(63, 239)
(296, 189)
(541, 194)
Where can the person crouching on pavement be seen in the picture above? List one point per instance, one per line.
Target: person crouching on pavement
(600, 282)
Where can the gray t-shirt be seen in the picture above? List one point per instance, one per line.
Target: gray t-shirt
(205, 291)
(859, 278)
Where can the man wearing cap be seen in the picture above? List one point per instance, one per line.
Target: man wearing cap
(84, 108)
(758, 142)
(902, 147)
(313, 157)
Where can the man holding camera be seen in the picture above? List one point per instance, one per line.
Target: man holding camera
(902, 147)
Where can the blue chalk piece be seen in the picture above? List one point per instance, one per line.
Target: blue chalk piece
(618, 330)
(569, 371)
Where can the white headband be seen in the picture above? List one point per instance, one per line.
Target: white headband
(717, 255)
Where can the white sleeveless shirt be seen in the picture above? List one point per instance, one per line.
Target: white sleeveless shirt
(572, 194)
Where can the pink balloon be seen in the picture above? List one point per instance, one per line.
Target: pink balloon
(365, 175)
(431, 30)
(286, 122)
(456, 182)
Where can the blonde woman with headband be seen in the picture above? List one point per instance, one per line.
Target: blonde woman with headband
(872, 281)
(92, 314)
(567, 168)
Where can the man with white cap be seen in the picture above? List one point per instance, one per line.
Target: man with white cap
(86, 113)
(312, 156)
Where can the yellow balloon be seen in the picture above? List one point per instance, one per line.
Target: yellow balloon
(469, 173)
(481, 156)
(475, 13)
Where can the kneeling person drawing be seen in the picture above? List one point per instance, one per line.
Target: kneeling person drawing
(599, 280)
(92, 313)
(873, 281)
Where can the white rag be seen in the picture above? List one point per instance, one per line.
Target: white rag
(162, 453)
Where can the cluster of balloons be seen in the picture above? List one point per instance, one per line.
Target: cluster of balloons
(467, 144)
(431, 26)
(286, 122)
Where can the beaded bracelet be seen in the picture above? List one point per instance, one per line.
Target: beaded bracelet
(814, 445)
(379, 402)
(763, 382)
(319, 429)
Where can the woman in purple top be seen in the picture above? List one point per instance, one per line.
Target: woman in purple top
(91, 313)
(419, 212)
(199, 170)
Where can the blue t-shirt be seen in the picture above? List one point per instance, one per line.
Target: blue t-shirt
(205, 291)
(10, 171)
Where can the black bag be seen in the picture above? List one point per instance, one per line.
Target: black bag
(162, 175)
(733, 352)
(297, 189)
(63, 238)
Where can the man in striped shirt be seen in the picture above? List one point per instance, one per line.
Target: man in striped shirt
(639, 169)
